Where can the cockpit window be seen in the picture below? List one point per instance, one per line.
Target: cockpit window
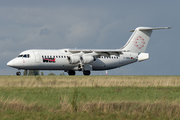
(24, 56)
(20, 55)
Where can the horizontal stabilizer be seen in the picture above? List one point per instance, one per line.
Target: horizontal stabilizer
(143, 56)
(150, 28)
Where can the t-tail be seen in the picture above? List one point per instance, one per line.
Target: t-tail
(138, 41)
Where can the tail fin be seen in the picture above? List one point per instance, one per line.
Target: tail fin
(138, 41)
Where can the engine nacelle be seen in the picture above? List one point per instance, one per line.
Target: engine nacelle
(87, 59)
(72, 59)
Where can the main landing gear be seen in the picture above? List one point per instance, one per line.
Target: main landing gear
(87, 72)
(71, 72)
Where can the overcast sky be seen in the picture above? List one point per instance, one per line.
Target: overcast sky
(57, 24)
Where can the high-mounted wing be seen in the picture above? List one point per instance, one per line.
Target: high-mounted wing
(97, 52)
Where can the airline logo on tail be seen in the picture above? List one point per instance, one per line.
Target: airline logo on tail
(139, 42)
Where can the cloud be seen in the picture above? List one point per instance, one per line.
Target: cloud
(45, 31)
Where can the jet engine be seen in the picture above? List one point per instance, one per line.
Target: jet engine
(72, 59)
(87, 59)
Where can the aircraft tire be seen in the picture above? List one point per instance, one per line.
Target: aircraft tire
(86, 72)
(71, 72)
(18, 73)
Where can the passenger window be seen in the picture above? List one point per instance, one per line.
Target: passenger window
(47, 56)
(56, 56)
(64, 56)
(59, 56)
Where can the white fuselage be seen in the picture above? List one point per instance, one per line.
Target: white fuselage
(57, 60)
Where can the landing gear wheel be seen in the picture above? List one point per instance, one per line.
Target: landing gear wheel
(18, 73)
(86, 72)
(71, 72)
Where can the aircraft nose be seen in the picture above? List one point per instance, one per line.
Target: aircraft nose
(10, 63)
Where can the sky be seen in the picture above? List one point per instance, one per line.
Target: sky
(93, 24)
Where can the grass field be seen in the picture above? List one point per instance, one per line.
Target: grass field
(90, 97)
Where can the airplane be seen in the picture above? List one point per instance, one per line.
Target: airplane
(86, 60)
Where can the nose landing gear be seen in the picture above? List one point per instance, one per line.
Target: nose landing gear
(18, 73)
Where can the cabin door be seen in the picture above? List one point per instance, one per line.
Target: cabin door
(37, 57)
(121, 58)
